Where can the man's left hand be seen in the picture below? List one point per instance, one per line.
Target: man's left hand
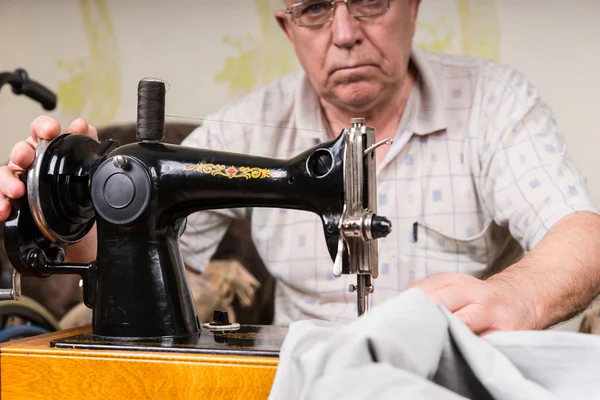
(484, 306)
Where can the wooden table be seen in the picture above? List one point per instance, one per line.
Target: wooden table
(31, 369)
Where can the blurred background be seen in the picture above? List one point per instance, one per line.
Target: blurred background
(92, 53)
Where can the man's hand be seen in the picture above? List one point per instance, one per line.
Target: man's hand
(484, 306)
(22, 156)
(219, 285)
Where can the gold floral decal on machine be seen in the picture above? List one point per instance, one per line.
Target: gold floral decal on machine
(234, 172)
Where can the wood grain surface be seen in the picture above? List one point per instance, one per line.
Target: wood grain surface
(30, 369)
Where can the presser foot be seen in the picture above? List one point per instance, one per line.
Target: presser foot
(363, 288)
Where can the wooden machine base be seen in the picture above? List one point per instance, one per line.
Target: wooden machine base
(32, 369)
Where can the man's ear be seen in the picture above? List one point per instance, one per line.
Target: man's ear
(284, 23)
(414, 13)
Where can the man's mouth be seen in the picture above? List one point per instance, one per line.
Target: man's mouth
(350, 68)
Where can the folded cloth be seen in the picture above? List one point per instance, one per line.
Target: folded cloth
(410, 347)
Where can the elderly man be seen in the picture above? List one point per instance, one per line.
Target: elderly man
(476, 176)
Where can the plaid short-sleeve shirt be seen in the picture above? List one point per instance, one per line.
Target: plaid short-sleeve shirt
(476, 176)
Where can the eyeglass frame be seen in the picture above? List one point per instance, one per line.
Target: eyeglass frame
(334, 4)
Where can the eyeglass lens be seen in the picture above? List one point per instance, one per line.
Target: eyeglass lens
(312, 13)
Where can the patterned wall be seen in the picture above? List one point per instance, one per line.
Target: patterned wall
(92, 86)
(94, 52)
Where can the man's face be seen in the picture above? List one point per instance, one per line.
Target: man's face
(353, 63)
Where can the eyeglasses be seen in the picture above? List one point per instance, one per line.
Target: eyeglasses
(319, 12)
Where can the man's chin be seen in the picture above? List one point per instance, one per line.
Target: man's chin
(356, 96)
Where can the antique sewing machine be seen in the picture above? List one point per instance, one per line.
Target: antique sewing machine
(139, 196)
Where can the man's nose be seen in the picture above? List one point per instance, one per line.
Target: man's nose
(345, 28)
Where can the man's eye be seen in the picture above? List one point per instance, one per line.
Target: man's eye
(366, 2)
(315, 8)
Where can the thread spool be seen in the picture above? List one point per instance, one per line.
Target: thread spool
(151, 110)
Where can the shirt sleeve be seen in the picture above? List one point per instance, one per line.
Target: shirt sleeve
(528, 180)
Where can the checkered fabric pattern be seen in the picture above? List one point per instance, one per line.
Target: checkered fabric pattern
(477, 175)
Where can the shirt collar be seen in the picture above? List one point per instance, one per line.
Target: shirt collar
(428, 112)
(308, 116)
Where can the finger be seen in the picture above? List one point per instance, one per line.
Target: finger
(21, 156)
(14, 168)
(5, 208)
(244, 276)
(453, 297)
(10, 185)
(436, 282)
(476, 317)
(92, 131)
(44, 127)
(248, 290)
(80, 125)
(245, 297)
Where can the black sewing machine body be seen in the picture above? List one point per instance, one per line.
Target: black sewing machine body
(139, 196)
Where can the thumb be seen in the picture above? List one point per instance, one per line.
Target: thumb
(475, 316)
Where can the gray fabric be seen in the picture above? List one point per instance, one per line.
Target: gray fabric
(412, 348)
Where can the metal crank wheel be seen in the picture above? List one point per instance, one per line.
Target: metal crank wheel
(58, 188)
(57, 210)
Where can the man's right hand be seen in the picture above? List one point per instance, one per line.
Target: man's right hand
(22, 156)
